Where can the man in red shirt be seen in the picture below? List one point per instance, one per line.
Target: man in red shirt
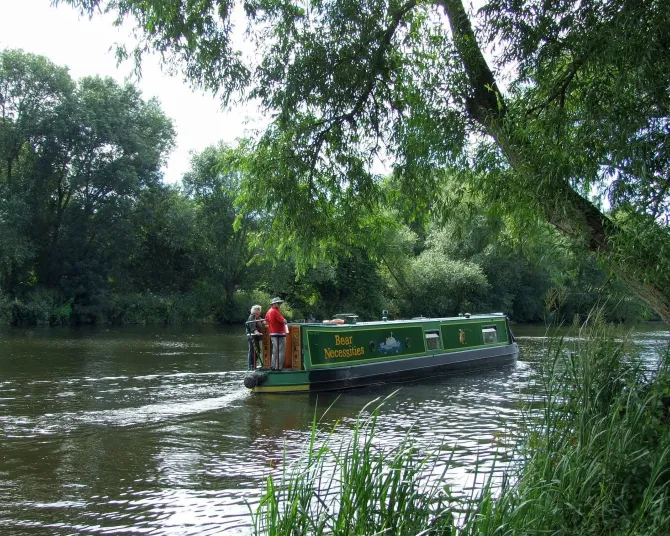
(277, 324)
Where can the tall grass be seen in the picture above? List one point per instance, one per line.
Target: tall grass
(593, 459)
(357, 486)
(597, 458)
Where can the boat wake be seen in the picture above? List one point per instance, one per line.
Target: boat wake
(172, 401)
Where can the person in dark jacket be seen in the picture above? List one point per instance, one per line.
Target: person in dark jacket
(254, 335)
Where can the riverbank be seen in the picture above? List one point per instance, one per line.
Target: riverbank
(592, 458)
(206, 306)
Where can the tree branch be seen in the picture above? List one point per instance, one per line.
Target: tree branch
(485, 101)
(377, 66)
(561, 89)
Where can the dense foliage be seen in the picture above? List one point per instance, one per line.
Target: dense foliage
(75, 155)
(90, 233)
(576, 134)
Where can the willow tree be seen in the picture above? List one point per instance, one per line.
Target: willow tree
(558, 110)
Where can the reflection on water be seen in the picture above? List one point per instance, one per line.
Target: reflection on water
(150, 430)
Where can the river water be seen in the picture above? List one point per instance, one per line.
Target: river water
(149, 430)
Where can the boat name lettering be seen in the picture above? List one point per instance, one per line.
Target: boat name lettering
(344, 352)
(343, 341)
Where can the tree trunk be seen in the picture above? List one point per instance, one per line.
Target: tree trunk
(561, 205)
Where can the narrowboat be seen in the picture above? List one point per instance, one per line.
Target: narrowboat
(343, 353)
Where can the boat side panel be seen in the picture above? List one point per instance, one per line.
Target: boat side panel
(469, 334)
(351, 345)
(333, 347)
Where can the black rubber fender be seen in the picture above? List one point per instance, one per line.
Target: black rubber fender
(254, 379)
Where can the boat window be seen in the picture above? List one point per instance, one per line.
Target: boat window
(433, 340)
(490, 334)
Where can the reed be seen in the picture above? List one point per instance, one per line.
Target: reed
(356, 486)
(594, 459)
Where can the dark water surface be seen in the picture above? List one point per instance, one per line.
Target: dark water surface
(146, 430)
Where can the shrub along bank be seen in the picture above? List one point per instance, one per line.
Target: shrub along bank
(205, 305)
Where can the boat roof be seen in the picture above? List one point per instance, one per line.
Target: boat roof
(416, 320)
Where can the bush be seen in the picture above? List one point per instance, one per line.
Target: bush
(149, 308)
(439, 286)
(138, 308)
(243, 300)
(41, 308)
(190, 308)
(5, 309)
(206, 304)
